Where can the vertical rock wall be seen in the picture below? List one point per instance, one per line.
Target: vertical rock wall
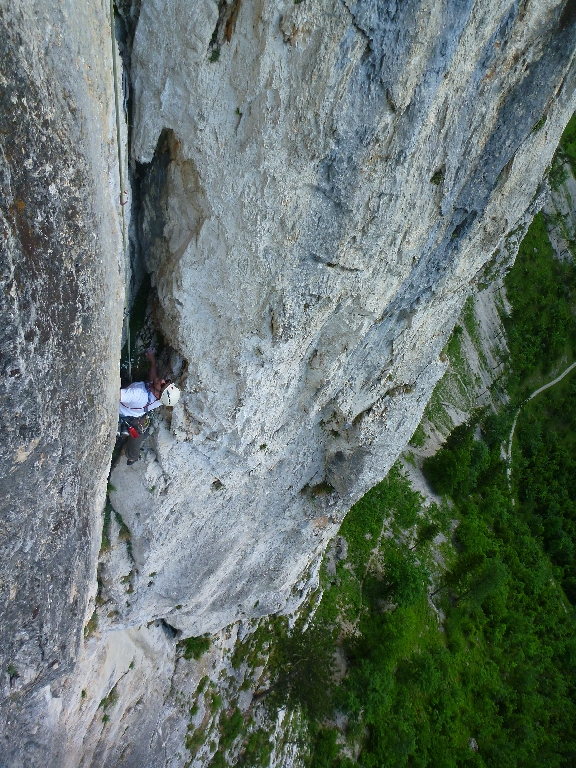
(327, 181)
(62, 297)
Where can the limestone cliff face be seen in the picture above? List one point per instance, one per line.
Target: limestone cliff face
(61, 325)
(326, 182)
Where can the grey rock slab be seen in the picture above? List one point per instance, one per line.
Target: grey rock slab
(111, 707)
(61, 295)
(323, 185)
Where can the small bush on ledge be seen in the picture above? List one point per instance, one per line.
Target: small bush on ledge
(194, 647)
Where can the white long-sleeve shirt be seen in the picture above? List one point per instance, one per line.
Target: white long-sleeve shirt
(136, 400)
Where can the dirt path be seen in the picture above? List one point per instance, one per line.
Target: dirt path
(536, 392)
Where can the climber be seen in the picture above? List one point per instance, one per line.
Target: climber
(137, 400)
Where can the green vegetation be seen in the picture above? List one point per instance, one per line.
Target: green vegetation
(438, 177)
(540, 124)
(462, 652)
(419, 437)
(302, 665)
(567, 148)
(230, 727)
(105, 545)
(453, 347)
(457, 468)
(110, 700)
(253, 746)
(498, 669)
(253, 651)
(215, 703)
(455, 386)
(558, 173)
(545, 470)
(541, 329)
(472, 327)
(124, 532)
(194, 647)
(447, 637)
(194, 739)
(257, 750)
(91, 626)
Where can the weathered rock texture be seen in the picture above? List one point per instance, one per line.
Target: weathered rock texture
(60, 334)
(327, 180)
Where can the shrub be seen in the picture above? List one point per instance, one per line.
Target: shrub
(230, 727)
(91, 626)
(258, 749)
(195, 647)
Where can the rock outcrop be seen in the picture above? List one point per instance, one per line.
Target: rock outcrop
(326, 183)
(62, 298)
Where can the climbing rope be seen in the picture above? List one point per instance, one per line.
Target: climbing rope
(123, 193)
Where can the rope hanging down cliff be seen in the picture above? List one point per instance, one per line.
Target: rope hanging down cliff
(123, 193)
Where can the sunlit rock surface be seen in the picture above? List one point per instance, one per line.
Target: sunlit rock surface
(327, 181)
(62, 297)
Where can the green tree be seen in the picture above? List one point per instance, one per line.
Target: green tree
(486, 581)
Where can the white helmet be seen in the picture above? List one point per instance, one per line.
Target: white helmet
(170, 395)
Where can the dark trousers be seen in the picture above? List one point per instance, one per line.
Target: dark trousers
(133, 446)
